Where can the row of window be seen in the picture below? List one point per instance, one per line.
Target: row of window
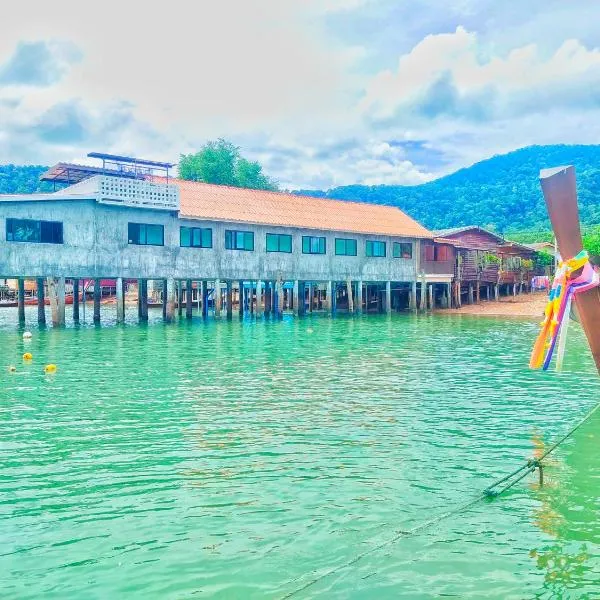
(144, 234)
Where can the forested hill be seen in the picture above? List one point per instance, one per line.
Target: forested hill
(22, 179)
(502, 192)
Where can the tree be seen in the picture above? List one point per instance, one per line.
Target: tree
(220, 162)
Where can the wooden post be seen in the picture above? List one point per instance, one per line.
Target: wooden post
(41, 301)
(188, 299)
(217, 297)
(241, 297)
(121, 300)
(388, 297)
(412, 300)
(449, 295)
(430, 290)
(165, 292)
(169, 300)
(179, 298)
(76, 300)
(470, 293)
(97, 298)
(496, 292)
(358, 302)
(295, 298)
(21, 300)
(311, 296)
(423, 303)
(268, 298)
(514, 289)
(259, 298)
(329, 288)
(350, 295)
(229, 299)
(477, 292)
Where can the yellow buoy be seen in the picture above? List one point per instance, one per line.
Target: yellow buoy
(50, 369)
(27, 356)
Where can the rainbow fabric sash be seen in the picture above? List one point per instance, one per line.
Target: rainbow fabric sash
(556, 316)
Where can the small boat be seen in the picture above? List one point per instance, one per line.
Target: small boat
(560, 193)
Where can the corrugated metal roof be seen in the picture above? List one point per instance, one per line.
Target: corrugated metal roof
(224, 203)
(457, 230)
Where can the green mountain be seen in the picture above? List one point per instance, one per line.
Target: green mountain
(502, 192)
(22, 179)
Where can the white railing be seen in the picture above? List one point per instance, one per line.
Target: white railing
(137, 192)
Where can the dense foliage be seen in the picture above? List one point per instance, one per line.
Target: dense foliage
(501, 193)
(22, 179)
(221, 162)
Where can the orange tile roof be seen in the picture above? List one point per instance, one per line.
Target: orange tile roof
(224, 203)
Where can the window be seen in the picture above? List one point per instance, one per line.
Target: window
(437, 253)
(375, 248)
(279, 242)
(239, 240)
(195, 237)
(345, 247)
(28, 230)
(313, 245)
(402, 250)
(144, 234)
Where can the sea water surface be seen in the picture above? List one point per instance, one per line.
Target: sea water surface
(247, 459)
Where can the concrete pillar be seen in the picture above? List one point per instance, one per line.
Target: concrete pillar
(164, 299)
(97, 298)
(41, 301)
(21, 300)
(329, 298)
(358, 302)
(496, 293)
(241, 297)
(217, 298)
(76, 300)
(259, 298)
(388, 297)
(470, 293)
(350, 295)
(143, 298)
(268, 298)
(56, 292)
(204, 293)
(179, 297)
(449, 295)
(188, 299)
(295, 297)
(311, 296)
(514, 289)
(478, 292)
(430, 293)
(169, 300)
(121, 300)
(412, 303)
(487, 289)
(279, 298)
(229, 299)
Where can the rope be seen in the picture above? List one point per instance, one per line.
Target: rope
(490, 492)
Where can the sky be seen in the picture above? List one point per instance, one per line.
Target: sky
(321, 92)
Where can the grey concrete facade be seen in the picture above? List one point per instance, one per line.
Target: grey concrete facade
(95, 245)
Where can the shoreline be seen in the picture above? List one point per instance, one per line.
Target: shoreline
(524, 305)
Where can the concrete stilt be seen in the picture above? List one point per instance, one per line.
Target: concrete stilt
(97, 298)
(259, 299)
(241, 297)
(412, 303)
(268, 298)
(358, 301)
(164, 299)
(179, 298)
(430, 293)
(188, 299)
(279, 298)
(56, 291)
(229, 299)
(217, 298)
(143, 295)
(350, 295)
(478, 292)
(295, 298)
(121, 300)
(76, 300)
(496, 293)
(514, 289)
(329, 299)
(41, 301)
(470, 293)
(204, 292)
(487, 289)
(388, 297)
(169, 300)
(311, 296)
(21, 300)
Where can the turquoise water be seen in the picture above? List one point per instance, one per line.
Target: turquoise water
(241, 460)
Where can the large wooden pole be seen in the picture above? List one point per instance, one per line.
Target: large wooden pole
(560, 193)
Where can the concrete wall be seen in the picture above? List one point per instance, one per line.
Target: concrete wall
(96, 245)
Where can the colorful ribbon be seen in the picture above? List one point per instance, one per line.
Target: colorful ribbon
(556, 315)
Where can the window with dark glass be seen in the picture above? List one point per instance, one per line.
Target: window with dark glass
(195, 237)
(279, 242)
(146, 234)
(375, 248)
(345, 247)
(29, 230)
(437, 253)
(239, 240)
(402, 250)
(313, 245)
